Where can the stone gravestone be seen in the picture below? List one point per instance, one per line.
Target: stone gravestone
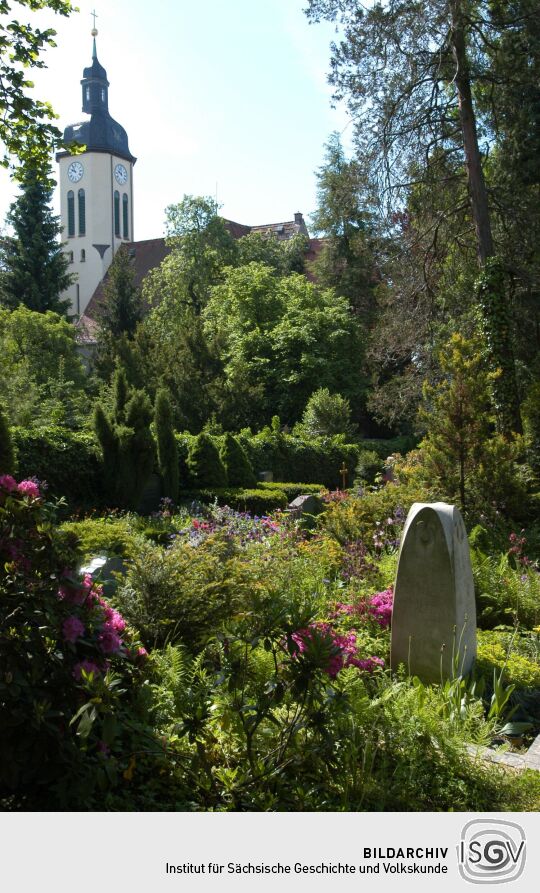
(434, 614)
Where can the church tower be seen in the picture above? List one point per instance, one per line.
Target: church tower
(96, 188)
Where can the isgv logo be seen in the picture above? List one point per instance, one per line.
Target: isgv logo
(491, 851)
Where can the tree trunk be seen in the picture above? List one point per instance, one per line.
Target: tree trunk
(475, 175)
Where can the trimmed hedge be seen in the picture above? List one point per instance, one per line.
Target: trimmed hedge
(291, 490)
(257, 502)
(69, 461)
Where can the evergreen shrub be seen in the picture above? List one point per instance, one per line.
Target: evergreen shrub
(167, 449)
(237, 465)
(204, 463)
(256, 501)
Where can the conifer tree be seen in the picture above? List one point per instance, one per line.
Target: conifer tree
(36, 267)
(237, 465)
(126, 443)
(167, 449)
(204, 463)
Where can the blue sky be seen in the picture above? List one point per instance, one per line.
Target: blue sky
(222, 94)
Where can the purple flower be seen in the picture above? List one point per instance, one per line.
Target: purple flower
(88, 666)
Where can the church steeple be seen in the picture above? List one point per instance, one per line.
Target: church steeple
(94, 84)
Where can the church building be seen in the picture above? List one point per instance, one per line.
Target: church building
(96, 203)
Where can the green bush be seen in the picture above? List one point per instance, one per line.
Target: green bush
(291, 490)
(368, 467)
(204, 463)
(7, 458)
(258, 501)
(110, 536)
(236, 462)
(504, 594)
(180, 594)
(69, 461)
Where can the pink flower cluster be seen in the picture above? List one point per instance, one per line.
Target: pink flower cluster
(107, 623)
(380, 607)
(24, 488)
(343, 650)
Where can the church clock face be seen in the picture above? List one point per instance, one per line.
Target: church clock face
(75, 171)
(120, 174)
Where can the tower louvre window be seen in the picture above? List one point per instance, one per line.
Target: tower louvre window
(117, 213)
(88, 94)
(125, 215)
(82, 213)
(71, 212)
(103, 94)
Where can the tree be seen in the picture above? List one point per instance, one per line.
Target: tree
(461, 451)
(167, 448)
(126, 443)
(326, 414)
(41, 374)
(201, 246)
(36, 268)
(122, 308)
(26, 127)
(346, 261)
(409, 71)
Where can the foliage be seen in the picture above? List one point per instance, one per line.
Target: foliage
(326, 414)
(112, 535)
(167, 450)
(41, 375)
(236, 462)
(346, 261)
(205, 466)
(505, 593)
(460, 452)
(68, 461)
(26, 127)
(531, 423)
(126, 442)
(69, 706)
(119, 313)
(495, 653)
(496, 331)
(283, 255)
(278, 336)
(259, 501)
(181, 593)
(35, 266)
(7, 456)
(368, 467)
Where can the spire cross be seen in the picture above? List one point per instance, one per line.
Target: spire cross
(95, 16)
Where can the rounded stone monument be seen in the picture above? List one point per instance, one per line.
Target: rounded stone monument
(434, 614)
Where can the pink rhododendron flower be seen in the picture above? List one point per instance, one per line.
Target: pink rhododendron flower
(29, 488)
(88, 666)
(369, 663)
(109, 640)
(380, 607)
(142, 652)
(72, 629)
(114, 620)
(8, 483)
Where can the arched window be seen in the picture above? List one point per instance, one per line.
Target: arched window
(83, 255)
(82, 213)
(103, 94)
(71, 212)
(117, 213)
(125, 215)
(88, 94)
